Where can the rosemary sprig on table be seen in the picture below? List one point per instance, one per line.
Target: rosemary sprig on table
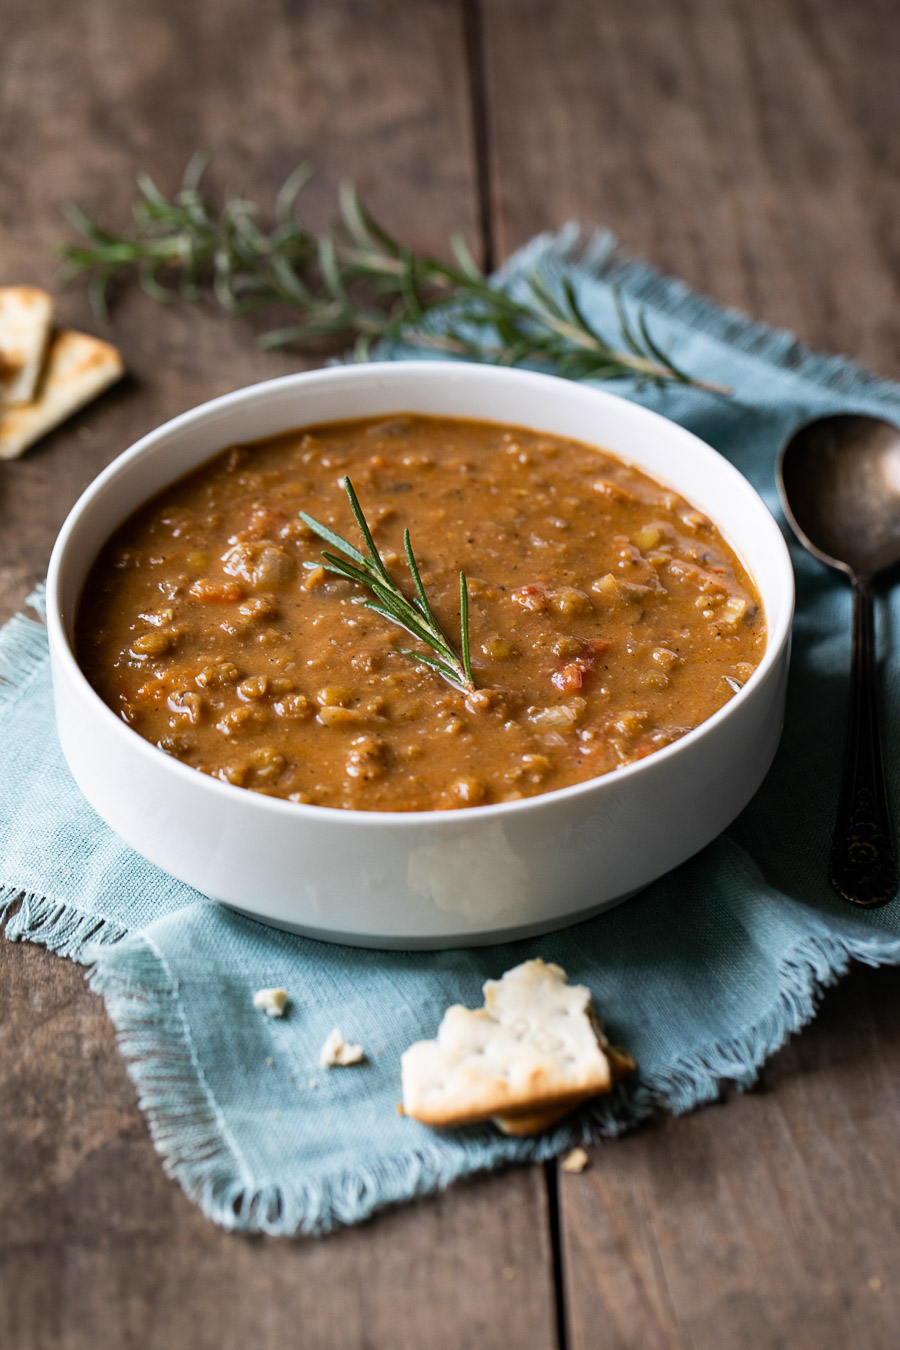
(357, 283)
(415, 616)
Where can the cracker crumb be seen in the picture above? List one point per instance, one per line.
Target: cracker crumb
(338, 1053)
(271, 1001)
(507, 1273)
(876, 1283)
(576, 1161)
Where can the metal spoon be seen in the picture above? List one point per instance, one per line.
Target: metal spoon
(839, 480)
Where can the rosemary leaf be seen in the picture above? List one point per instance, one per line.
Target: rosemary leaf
(449, 675)
(464, 626)
(330, 537)
(402, 621)
(414, 571)
(366, 533)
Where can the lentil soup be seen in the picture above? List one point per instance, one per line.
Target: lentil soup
(608, 617)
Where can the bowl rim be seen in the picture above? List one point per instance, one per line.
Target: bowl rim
(66, 663)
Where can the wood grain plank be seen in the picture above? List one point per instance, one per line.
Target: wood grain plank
(743, 147)
(97, 1248)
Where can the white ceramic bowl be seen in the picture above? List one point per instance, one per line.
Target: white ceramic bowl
(424, 879)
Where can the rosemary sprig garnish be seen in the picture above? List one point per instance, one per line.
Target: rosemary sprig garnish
(415, 616)
(359, 283)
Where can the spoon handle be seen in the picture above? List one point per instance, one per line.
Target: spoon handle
(862, 867)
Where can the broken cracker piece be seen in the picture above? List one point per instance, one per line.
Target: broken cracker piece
(620, 1061)
(535, 1048)
(25, 314)
(531, 1122)
(338, 1053)
(271, 1001)
(79, 367)
(535, 1122)
(576, 1161)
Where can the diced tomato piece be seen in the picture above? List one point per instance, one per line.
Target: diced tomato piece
(533, 597)
(217, 592)
(570, 677)
(574, 673)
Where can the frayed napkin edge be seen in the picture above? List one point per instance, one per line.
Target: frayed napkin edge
(597, 253)
(189, 1133)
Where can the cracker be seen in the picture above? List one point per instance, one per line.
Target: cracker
(535, 1048)
(79, 367)
(25, 314)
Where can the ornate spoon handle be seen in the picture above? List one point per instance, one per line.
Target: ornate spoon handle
(862, 867)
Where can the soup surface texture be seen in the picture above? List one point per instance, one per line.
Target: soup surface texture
(607, 616)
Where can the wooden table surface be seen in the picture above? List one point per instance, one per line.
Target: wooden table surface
(750, 148)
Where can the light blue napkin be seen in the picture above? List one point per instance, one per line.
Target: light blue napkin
(701, 977)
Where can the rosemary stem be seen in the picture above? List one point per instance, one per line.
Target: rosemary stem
(360, 282)
(416, 617)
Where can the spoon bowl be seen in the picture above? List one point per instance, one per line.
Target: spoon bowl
(839, 481)
(840, 487)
